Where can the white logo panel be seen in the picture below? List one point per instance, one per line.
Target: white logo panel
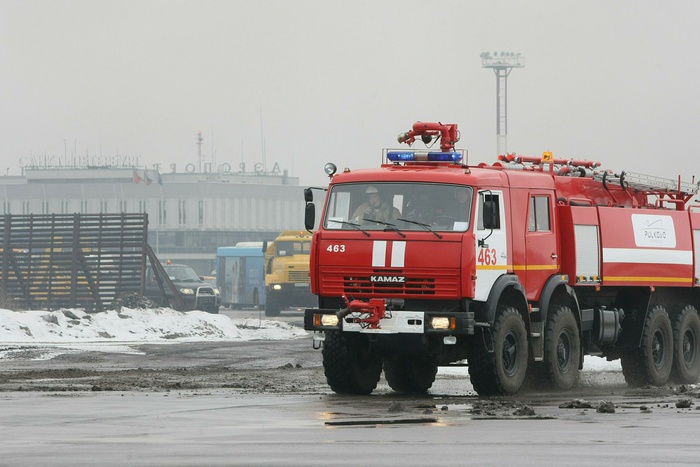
(654, 231)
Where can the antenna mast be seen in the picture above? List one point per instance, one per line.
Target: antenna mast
(200, 140)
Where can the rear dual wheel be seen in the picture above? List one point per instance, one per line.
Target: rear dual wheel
(686, 332)
(562, 349)
(651, 363)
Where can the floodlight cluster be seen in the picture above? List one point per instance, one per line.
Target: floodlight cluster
(487, 55)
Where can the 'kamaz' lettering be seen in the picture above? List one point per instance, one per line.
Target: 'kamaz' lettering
(394, 279)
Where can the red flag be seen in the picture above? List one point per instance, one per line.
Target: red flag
(137, 179)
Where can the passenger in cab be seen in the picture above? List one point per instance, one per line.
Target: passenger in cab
(375, 209)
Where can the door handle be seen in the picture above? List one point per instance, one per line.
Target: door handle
(554, 256)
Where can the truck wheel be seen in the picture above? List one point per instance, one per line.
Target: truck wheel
(501, 370)
(652, 362)
(562, 349)
(213, 310)
(272, 308)
(686, 332)
(409, 374)
(632, 368)
(349, 364)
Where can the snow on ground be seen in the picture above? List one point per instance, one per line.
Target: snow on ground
(113, 331)
(590, 364)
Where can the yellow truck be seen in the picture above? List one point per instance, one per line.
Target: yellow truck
(287, 272)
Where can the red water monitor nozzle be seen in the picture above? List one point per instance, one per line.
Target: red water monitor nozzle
(447, 132)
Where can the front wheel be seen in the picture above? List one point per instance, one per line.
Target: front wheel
(502, 369)
(349, 364)
(272, 306)
(686, 332)
(410, 374)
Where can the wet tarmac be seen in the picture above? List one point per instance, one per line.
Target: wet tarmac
(266, 403)
(224, 428)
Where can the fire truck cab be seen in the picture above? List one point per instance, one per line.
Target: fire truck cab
(520, 267)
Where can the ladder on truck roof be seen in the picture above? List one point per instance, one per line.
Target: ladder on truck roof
(666, 189)
(649, 183)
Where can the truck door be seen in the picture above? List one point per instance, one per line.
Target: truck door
(541, 257)
(491, 245)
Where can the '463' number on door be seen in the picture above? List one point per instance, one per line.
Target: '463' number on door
(487, 256)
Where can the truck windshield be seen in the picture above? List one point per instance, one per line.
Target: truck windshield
(289, 248)
(408, 206)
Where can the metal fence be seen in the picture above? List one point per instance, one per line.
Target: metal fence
(72, 260)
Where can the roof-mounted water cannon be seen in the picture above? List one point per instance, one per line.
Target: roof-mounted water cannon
(447, 132)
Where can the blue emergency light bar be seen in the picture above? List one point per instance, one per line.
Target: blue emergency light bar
(424, 156)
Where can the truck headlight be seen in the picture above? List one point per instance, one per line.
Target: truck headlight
(277, 287)
(187, 291)
(217, 291)
(326, 320)
(439, 322)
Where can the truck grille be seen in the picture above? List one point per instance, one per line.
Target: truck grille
(416, 285)
(299, 276)
(412, 286)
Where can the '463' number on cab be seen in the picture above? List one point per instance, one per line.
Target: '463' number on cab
(487, 256)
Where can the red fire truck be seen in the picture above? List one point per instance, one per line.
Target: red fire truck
(520, 267)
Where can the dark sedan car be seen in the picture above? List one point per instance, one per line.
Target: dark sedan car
(196, 293)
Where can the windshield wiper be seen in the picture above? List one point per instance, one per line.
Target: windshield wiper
(387, 225)
(353, 225)
(425, 226)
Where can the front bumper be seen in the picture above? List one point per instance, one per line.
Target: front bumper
(395, 322)
(207, 302)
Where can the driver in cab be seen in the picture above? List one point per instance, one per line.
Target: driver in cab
(374, 209)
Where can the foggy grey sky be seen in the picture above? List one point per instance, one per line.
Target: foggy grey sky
(614, 81)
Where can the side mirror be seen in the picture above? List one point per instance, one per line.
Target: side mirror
(310, 216)
(264, 247)
(308, 195)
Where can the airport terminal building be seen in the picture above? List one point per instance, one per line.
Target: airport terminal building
(190, 213)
